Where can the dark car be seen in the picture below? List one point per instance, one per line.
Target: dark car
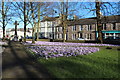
(28, 37)
(110, 38)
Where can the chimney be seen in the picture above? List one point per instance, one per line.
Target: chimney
(45, 17)
(60, 15)
(75, 17)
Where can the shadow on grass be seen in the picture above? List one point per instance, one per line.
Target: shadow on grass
(16, 57)
(81, 67)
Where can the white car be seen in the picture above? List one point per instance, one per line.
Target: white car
(80, 39)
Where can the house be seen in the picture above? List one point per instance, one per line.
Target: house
(87, 28)
(20, 32)
(47, 27)
(1, 32)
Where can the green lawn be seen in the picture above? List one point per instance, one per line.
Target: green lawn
(102, 64)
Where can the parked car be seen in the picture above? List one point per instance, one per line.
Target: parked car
(117, 38)
(112, 39)
(28, 37)
(80, 39)
(15, 38)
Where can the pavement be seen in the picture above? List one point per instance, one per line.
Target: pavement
(16, 63)
(1, 50)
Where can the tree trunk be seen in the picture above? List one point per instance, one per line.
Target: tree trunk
(33, 34)
(64, 18)
(38, 27)
(33, 26)
(3, 18)
(64, 33)
(64, 27)
(25, 21)
(99, 25)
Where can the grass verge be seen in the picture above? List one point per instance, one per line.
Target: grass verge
(102, 64)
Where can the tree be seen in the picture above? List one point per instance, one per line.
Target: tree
(99, 25)
(23, 12)
(25, 21)
(67, 10)
(6, 15)
(40, 9)
(100, 9)
(38, 27)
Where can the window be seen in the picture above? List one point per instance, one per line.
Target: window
(60, 29)
(73, 36)
(80, 35)
(85, 36)
(90, 36)
(114, 26)
(73, 28)
(81, 27)
(60, 35)
(87, 27)
(90, 27)
(104, 26)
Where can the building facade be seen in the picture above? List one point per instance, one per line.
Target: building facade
(20, 32)
(87, 28)
(1, 32)
(47, 27)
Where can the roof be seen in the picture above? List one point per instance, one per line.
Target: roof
(50, 19)
(93, 20)
(111, 19)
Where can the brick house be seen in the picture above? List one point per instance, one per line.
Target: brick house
(87, 28)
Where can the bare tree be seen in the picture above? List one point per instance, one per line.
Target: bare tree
(100, 9)
(67, 10)
(6, 15)
(99, 25)
(38, 27)
(23, 12)
(40, 9)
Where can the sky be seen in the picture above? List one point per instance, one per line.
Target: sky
(80, 11)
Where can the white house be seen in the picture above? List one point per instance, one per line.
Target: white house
(47, 27)
(20, 32)
(1, 32)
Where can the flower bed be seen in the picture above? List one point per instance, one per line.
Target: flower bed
(66, 44)
(59, 51)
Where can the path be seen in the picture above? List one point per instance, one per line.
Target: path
(1, 50)
(18, 64)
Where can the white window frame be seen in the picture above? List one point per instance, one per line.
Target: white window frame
(86, 27)
(81, 27)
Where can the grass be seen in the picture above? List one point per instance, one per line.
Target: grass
(102, 64)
